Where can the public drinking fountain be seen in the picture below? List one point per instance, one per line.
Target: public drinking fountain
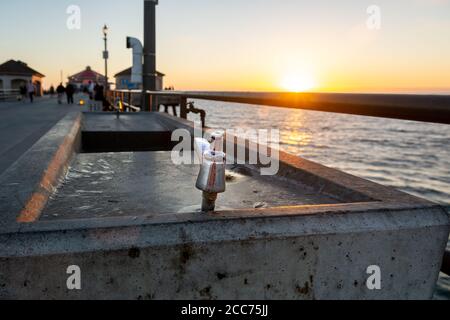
(211, 179)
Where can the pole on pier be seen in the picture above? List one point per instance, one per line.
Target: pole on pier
(183, 107)
(106, 57)
(149, 70)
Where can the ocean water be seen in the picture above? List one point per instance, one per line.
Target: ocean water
(411, 156)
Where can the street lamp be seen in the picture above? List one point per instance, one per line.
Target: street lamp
(106, 54)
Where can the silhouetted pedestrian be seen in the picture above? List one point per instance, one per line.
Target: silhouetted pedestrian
(52, 91)
(91, 89)
(99, 97)
(70, 91)
(23, 93)
(60, 91)
(31, 90)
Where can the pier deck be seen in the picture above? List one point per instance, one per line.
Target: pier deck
(23, 124)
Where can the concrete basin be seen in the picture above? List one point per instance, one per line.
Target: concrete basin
(102, 194)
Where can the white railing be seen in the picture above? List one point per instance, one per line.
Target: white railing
(9, 95)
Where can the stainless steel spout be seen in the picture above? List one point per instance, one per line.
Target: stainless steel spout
(211, 179)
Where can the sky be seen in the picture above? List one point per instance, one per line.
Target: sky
(253, 45)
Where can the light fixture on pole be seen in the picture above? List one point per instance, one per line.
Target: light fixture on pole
(106, 54)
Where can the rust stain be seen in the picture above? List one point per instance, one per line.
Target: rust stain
(303, 290)
(33, 208)
(212, 176)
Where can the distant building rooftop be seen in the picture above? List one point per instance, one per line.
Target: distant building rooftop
(19, 68)
(86, 75)
(127, 72)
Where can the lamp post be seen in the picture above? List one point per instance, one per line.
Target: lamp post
(106, 55)
(149, 69)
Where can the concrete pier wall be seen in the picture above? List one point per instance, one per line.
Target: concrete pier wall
(322, 256)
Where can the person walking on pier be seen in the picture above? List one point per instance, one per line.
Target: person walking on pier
(99, 97)
(70, 91)
(31, 89)
(60, 91)
(91, 89)
(52, 91)
(23, 93)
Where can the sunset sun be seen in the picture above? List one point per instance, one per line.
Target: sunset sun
(298, 83)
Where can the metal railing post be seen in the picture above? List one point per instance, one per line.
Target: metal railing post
(183, 107)
(150, 102)
(129, 98)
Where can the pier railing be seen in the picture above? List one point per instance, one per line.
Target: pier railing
(9, 95)
(425, 108)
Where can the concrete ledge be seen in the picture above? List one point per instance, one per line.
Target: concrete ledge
(43, 238)
(26, 186)
(298, 257)
(51, 178)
